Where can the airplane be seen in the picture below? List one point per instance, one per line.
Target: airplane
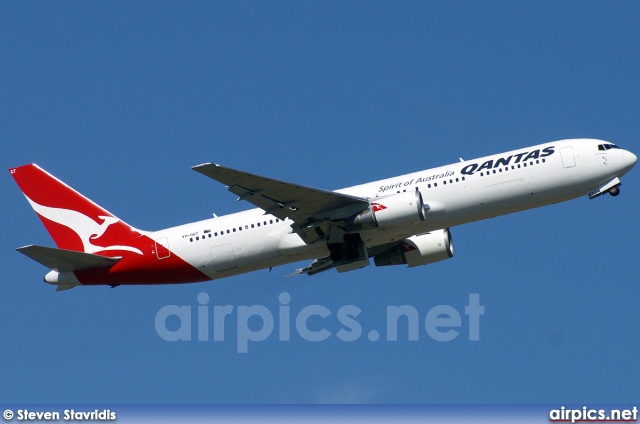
(402, 220)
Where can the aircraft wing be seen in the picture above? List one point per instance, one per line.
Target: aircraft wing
(307, 207)
(318, 265)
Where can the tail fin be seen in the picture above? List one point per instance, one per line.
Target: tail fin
(73, 221)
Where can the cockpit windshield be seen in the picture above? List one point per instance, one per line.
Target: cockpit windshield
(607, 146)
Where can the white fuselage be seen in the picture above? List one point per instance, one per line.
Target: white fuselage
(459, 193)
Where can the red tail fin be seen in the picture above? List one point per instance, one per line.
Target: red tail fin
(73, 221)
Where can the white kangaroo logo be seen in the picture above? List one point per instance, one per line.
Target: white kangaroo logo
(86, 228)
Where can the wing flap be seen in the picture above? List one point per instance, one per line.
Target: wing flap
(65, 260)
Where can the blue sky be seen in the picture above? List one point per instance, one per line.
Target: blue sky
(120, 99)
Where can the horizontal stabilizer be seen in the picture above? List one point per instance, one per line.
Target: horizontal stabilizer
(62, 287)
(65, 260)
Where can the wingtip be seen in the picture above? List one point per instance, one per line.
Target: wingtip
(296, 273)
(21, 248)
(203, 165)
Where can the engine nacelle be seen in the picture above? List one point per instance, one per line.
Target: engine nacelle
(390, 211)
(418, 250)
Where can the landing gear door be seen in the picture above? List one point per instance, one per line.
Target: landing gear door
(568, 158)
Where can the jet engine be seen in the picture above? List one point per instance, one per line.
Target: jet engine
(390, 211)
(417, 250)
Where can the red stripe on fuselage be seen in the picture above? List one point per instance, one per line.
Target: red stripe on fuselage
(142, 269)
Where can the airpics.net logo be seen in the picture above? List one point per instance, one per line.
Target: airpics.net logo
(257, 323)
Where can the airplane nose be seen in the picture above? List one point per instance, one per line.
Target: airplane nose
(629, 158)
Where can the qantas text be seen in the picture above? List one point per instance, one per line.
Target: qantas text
(520, 157)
